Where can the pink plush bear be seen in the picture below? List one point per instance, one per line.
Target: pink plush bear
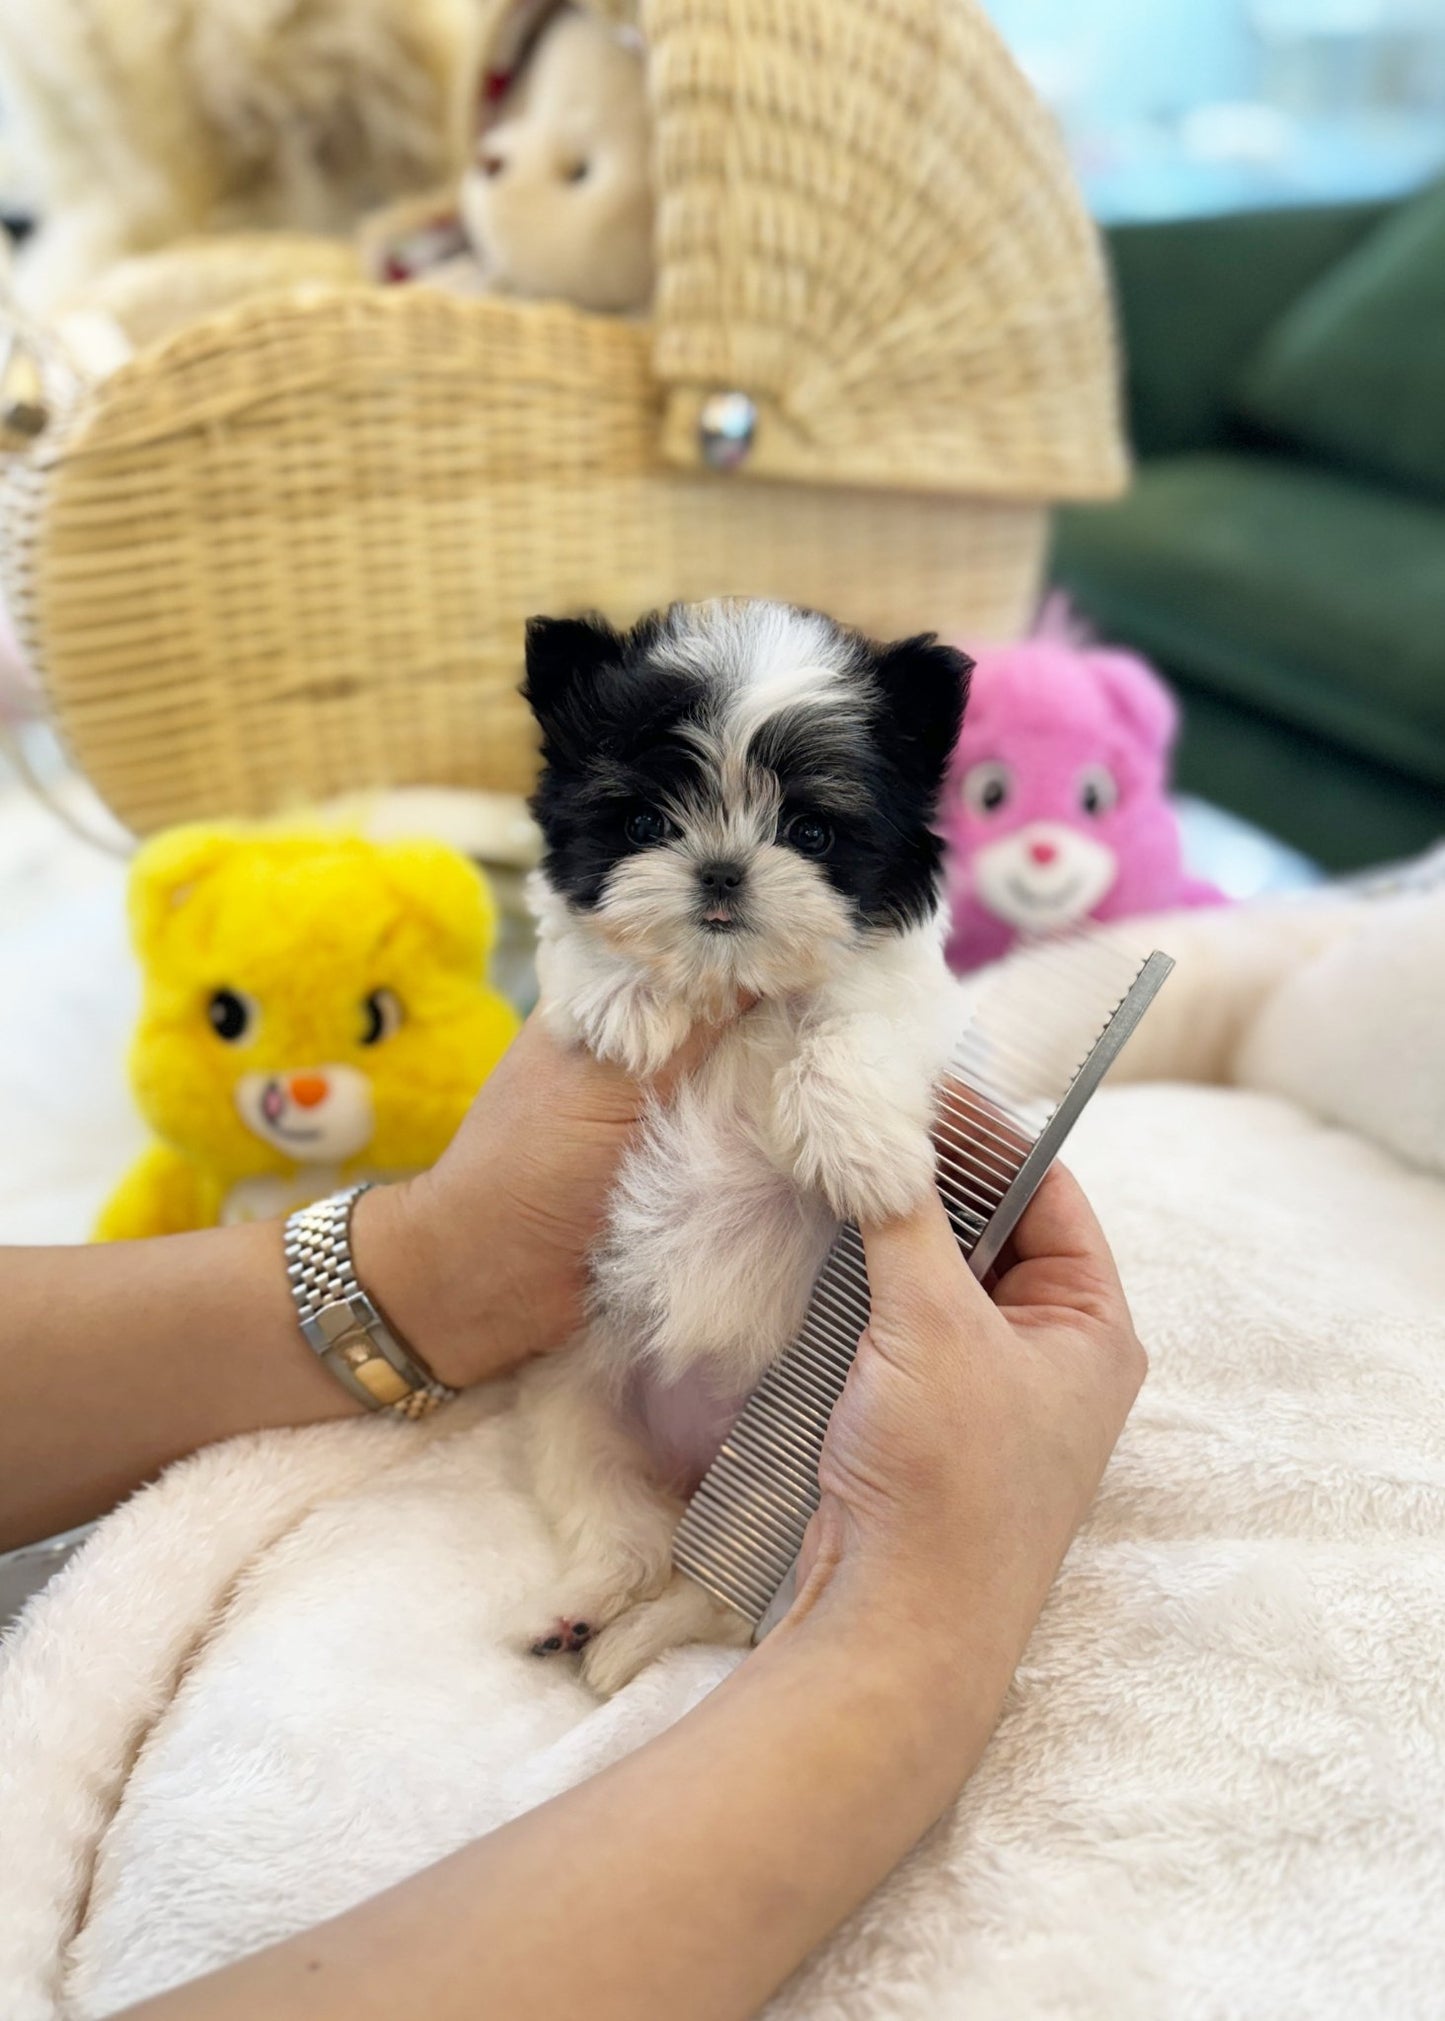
(1055, 808)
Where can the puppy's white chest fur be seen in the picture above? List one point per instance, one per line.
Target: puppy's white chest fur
(806, 1111)
(712, 1243)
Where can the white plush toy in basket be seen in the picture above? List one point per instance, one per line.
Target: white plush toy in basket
(289, 550)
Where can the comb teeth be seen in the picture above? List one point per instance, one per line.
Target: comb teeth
(1045, 1030)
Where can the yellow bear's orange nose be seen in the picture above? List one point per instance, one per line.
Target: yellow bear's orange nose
(306, 1090)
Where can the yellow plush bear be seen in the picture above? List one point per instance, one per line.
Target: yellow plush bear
(315, 1010)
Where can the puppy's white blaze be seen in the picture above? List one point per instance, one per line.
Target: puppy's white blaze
(762, 661)
(736, 645)
(740, 826)
(798, 661)
(768, 695)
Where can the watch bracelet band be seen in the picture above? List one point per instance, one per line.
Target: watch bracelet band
(339, 1321)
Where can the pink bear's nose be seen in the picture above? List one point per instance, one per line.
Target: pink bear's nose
(1043, 852)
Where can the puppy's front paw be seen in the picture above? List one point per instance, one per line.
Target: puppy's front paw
(597, 1595)
(860, 1139)
(893, 1179)
(682, 1613)
(603, 1586)
(632, 1026)
(562, 1637)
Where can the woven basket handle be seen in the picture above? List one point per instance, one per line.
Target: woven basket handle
(38, 379)
(38, 375)
(110, 842)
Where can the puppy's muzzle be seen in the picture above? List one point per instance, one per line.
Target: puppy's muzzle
(721, 884)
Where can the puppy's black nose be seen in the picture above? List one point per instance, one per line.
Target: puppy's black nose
(719, 878)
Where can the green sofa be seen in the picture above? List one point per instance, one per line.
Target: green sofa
(1293, 593)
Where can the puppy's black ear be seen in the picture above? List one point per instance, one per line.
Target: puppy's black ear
(564, 653)
(924, 686)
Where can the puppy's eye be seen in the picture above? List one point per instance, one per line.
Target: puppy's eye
(491, 163)
(645, 827)
(576, 171)
(987, 787)
(232, 1015)
(380, 1016)
(808, 835)
(1098, 791)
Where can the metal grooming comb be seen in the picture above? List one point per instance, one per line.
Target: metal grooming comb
(1044, 1031)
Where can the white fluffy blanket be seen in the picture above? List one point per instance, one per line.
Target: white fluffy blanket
(284, 1675)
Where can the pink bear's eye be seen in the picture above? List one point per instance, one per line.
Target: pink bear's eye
(987, 787)
(1098, 791)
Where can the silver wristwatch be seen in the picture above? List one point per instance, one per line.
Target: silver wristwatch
(339, 1320)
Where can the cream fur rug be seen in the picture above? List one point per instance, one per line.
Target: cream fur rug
(281, 1677)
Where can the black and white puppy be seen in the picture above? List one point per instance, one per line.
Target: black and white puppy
(737, 803)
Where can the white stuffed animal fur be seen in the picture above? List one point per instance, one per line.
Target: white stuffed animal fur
(139, 122)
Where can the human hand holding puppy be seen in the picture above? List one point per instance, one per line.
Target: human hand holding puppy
(962, 1456)
(482, 1260)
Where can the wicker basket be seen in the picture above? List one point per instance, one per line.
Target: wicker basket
(289, 551)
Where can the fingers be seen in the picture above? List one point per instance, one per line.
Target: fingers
(915, 1261)
(1059, 1221)
(1057, 1257)
(541, 1072)
(1058, 1254)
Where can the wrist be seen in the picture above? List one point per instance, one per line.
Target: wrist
(921, 1708)
(406, 1264)
(942, 1620)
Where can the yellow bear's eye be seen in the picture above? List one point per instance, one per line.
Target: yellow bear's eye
(231, 1015)
(380, 1016)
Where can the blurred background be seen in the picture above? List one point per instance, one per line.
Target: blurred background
(1262, 171)
(1282, 556)
(1178, 108)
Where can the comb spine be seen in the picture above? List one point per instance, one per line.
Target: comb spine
(1118, 1028)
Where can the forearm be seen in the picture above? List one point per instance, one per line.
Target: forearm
(123, 1356)
(117, 1358)
(691, 1878)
